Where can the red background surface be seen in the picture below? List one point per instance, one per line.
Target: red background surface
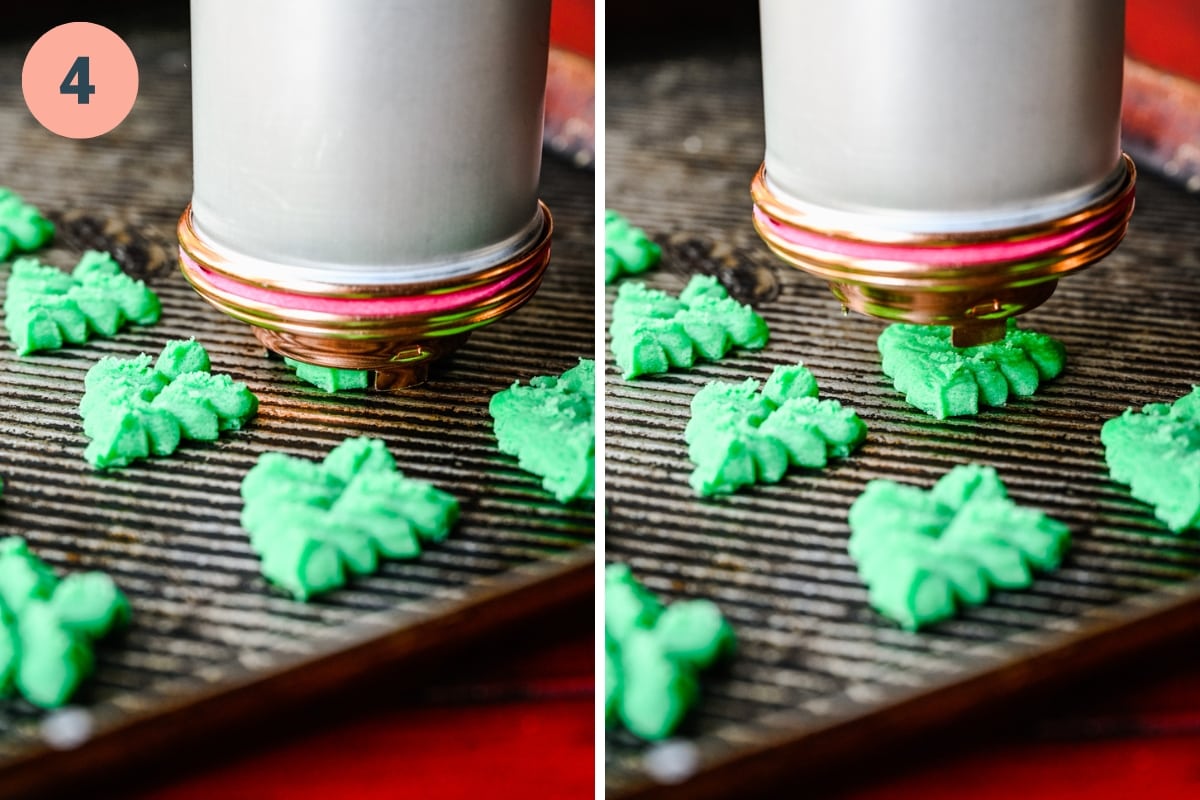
(522, 726)
(493, 725)
(573, 25)
(1165, 34)
(1130, 733)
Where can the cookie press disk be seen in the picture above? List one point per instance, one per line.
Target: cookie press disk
(366, 173)
(941, 162)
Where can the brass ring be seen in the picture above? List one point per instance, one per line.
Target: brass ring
(947, 293)
(773, 207)
(397, 347)
(227, 264)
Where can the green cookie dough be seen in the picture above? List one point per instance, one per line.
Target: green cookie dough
(924, 554)
(1157, 453)
(948, 381)
(627, 250)
(46, 308)
(314, 523)
(653, 655)
(652, 331)
(47, 626)
(132, 410)
(23, 229)
(328, 378)
(737, 436)
(550, 426)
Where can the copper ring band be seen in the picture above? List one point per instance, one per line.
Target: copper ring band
(397, 347)
(777, 209)
(960, 295)
(335, 326)
(943, 277)
(192, 242)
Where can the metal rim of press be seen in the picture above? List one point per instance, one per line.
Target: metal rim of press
(974, 299)
(397, 349)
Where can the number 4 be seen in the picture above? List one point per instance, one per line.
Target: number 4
(83, 90)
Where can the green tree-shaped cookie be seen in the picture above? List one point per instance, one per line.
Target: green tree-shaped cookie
(738, 436)
(948, 381)
(132, 409)
(627, 250)
(45, 308)
(652, 331)
(314, 523)
(330, 379)
(550, 426)
(47, 626)
(923, 554)
(23, 229)
(653, 655)
(1157, 453)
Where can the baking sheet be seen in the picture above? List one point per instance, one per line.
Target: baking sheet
(205, 621)
(819, 674)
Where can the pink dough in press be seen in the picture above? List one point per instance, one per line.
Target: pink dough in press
(360, 307)
(983, 253)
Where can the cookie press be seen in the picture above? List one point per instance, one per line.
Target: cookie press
(941, 162)
(366, 173)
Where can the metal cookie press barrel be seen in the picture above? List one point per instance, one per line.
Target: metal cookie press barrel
(366, 173)
(943, 162)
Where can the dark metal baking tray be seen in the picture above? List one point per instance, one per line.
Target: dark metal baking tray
(820, 677)
(211, 642)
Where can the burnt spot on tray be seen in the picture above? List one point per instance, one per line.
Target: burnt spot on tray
(140, 255)
(749, 276)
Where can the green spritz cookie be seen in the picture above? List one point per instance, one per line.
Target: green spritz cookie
(923, 554)
(652, 331)
(47, 626)
(1157, 453)
(314, 524)
(653, 655)
(550, 426)
(948, 381)
(738, 436)
(328, 378)
(132, 409)
(627, 250)
(45, 308)
(23, 229)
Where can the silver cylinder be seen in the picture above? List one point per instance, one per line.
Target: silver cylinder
(942, 115)
(368, 141)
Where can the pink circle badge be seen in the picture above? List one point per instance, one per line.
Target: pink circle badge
(80, 80)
